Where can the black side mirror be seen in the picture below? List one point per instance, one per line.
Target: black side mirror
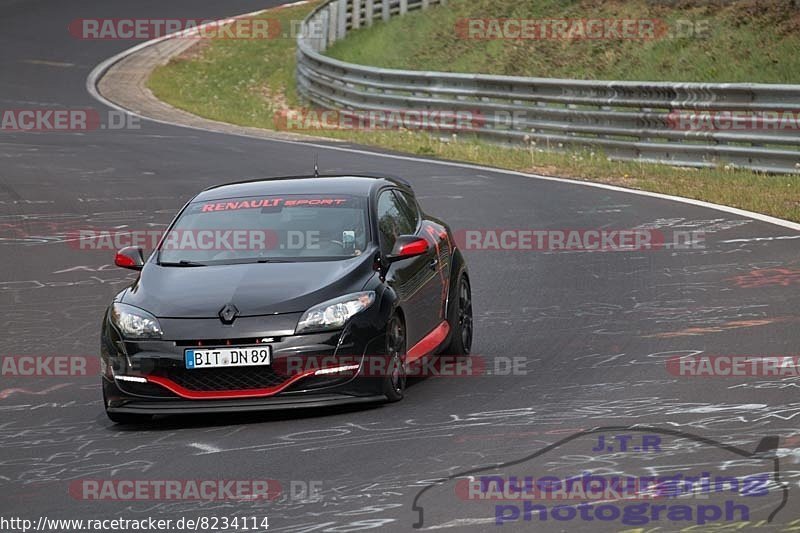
(130, 257)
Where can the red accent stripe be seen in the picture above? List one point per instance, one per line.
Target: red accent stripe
(420, 246)
(223, 395)
(429, 343)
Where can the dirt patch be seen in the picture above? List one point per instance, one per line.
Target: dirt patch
(195, 51)
(276, 100)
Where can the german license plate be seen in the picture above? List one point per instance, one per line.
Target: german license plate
(228, 357)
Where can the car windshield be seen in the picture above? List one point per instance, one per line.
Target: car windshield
(267, 229)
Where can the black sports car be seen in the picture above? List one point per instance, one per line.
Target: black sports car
(284, 292)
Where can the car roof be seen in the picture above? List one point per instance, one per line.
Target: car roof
(324, 184)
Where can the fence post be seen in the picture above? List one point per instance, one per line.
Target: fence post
(403, 7)
(386, 12)
(323, 29)
(356, 16)
(332, 23)
(342, 20)
(369, 11)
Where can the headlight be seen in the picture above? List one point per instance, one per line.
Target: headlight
(135, 323)
(335, 313)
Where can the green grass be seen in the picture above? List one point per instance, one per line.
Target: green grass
(745, 41)
(234, 80)
(248, 82)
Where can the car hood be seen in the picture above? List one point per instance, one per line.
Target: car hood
(255, 289)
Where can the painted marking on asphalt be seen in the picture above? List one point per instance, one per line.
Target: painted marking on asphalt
(5, 393)
(48, 63)
(207, 448)
(737, 324)
(765, 277)
(462, 522)
(762, 239)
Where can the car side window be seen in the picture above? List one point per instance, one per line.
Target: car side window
(393, 220)
(409, 207)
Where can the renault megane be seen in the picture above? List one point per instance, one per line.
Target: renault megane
(281, 293)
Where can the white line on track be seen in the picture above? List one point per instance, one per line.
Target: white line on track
(761, 239)
(207, 448)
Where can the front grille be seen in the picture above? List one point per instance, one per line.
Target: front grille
(225, 379)
(225, 342)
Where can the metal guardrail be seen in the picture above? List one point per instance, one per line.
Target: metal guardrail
(643, 121)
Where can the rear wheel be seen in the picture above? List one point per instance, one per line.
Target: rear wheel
(461, 338)
(394, 384)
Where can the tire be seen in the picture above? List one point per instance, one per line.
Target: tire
(128, 418)
(461, 322)
(394, 384)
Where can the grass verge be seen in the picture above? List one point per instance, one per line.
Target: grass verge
(250, 82)
(693, 40)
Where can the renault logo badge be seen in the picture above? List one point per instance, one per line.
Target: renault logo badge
(228, 314)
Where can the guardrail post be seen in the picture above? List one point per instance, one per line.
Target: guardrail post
(403, 7)
(356, 16)
(322, 27)
(332, 23)
(386, 12)
(342, 20)
(369, 11)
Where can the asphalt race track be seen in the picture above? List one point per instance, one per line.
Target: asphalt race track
(594, 329)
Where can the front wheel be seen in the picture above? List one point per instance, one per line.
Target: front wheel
(461, 322)
(394, 384)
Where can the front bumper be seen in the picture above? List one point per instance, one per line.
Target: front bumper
(130, 405)
(290, 381)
